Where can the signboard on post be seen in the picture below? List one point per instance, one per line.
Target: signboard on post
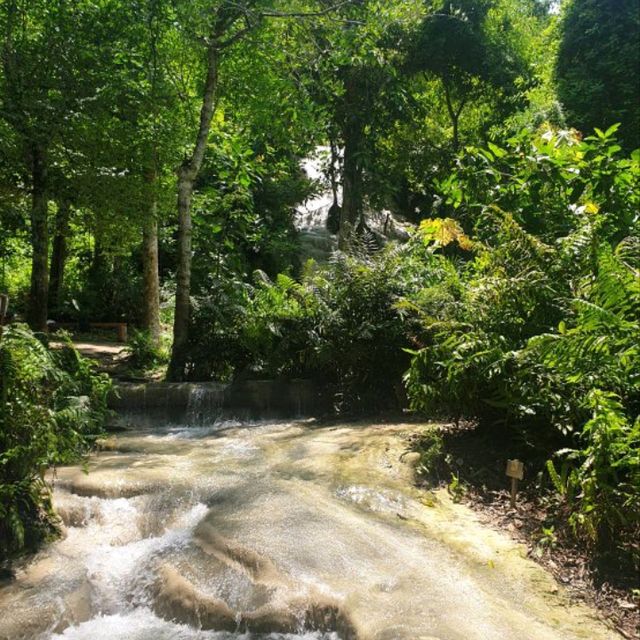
(515, 471)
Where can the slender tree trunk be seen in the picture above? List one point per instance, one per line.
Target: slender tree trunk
(183, 278)
(187, 174)
(456, 135)
(59, 253)
(150, 272)
(333, 215)
(150, 265)
(352, 135)
(39, 293)
(351, 213)
(454, 114)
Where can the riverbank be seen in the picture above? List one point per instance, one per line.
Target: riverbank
(608, 579)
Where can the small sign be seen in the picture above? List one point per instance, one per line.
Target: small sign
(515, 469)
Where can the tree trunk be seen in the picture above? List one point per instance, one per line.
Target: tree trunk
(351, 213)
(456, 135)
(454, 114)
(187, 174)
(59, 253)
(352, 134)
(150, 273)
(39, 293)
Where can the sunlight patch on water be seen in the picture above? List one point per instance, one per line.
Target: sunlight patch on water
(381, 501)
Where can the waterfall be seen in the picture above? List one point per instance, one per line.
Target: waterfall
(316, 241)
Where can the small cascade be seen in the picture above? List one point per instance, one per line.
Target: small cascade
(204, 404)
(311, 220)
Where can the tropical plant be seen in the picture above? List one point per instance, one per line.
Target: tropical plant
(600, 479)
(544, 328)
(339, 324)
(52, 404)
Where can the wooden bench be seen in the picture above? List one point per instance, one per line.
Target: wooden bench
(120, 327)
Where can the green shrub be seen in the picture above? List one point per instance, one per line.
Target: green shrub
(144, 353)
(601, 479)
(340, 325)
(542, 336)
(360, 334)
(51, 406)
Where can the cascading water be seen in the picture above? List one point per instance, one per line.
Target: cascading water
(274, 530)
(200, 405)
(316, 241)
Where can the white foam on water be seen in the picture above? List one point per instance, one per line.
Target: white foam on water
(195, 431)
(379, 500)
(142, 624)
(115, 570)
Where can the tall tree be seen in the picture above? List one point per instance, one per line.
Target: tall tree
(46, 82)
(158, 155)
(215, 28)
(225, 24)
(597, 66)
(25, 101)
(361, 85)
(459, 44)
(132, 139)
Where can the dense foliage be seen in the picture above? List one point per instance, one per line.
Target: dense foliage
(521, 311)
(151, 172)
(339, 324)
(544, 329)
(51, 406)
(597, 66)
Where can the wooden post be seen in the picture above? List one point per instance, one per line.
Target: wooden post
(514, 492)
(515, 471)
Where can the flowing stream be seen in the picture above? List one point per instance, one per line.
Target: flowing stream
(277, 530)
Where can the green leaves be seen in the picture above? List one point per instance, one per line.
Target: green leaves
(602, 484)
(50, 403)
(597, 60)
(442, 232)
(545, 335)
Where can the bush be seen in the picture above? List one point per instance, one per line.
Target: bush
(51, 406)
(144, 353)
(600, 480)
(544, 331)
(339, 325)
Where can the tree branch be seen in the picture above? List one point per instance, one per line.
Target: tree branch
(273, 13)
(305, 14)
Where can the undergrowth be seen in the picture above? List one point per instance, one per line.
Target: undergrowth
(52, 406)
